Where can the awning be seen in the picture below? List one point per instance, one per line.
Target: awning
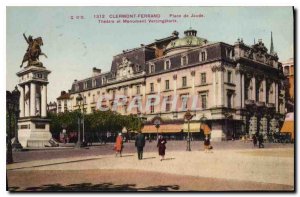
(165, 128)
(288, 127)
(194, 127)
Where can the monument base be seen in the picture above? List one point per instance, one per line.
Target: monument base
(34, 132)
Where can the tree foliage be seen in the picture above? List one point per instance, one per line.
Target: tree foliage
(98, 122)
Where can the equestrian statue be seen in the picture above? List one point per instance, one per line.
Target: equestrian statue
(33, 51)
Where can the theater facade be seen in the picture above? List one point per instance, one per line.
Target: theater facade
(235, 89)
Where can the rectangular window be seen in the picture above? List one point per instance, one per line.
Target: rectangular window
(151, 87)
(203, 58)
(94, 83)
(203, 101)
(229, 100)
(138, 89)
(167, 85)
(94, 100)
(183, 81)
(229, 80)
(84, 100)
(168, 104)
(152, 105)
(184, 101)
(203, 78)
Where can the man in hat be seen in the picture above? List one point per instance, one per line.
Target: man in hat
(139, 144)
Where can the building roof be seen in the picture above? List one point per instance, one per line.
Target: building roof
(64, 96)
(190, 40)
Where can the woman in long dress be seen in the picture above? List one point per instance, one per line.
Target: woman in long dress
(119, 145)
(161, 144)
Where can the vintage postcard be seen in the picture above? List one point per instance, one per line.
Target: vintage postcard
(150, 99)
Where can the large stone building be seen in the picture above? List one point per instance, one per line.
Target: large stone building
(288, 71)
(238, 87)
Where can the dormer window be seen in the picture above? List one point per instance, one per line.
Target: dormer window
(229, 53)
(85, 85)
(184, 60)
(151, 69)
(137, 68)
(94, 83)
(104, 80)
(167, 64)
(203, 56)
(76, 87)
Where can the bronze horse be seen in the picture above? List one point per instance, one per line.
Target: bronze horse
(34, 50)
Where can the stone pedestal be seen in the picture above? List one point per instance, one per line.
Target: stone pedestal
(33, 125)
(34, 132)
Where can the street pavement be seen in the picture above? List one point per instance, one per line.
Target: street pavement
(230, 166)
(107, 149)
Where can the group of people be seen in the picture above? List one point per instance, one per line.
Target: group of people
(140, 144)
(161, 145)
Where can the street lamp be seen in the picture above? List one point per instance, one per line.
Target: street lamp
(157, 123)
(79, 101)
(188, 116)
(15, 98)
(9, 108)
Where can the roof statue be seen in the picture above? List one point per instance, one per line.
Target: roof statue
(272, 46)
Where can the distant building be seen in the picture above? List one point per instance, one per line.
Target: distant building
(52, 107)
(239, 87)
(64, 102)
(288, 71)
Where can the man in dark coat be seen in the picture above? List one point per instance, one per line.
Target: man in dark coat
(139, 144)
(260, 141)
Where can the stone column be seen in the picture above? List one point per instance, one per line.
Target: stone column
(276, 96)
(273, 93)
(32, 99)
(264, 91)
(44, 101)
(243, 90)
(27, 111)
(143, 101)
(253, 88)
(221, 88)
(22, 107)
(238, 90)
(193, 82)
(214, 88)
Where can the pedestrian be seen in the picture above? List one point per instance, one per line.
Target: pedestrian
(139, 144)
(260, 141)
(119, 145)
(161, 144)
(207, 146)
(254, 139)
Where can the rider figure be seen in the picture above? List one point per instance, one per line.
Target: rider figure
(29, 41)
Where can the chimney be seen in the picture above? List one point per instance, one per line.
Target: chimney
(62, 93)
(96, 71)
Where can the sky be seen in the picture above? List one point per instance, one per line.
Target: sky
(75, 46)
